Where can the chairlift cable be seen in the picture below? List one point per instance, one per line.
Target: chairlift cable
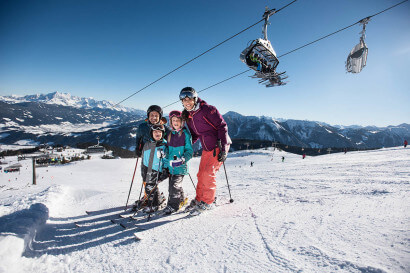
(341, 29)
(234, 76)
(387, 9)
(326, 36)
(203, 53)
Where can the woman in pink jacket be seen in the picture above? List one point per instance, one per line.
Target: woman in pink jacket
(206, 124)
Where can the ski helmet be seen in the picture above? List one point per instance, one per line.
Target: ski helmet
(175, 113)
(188, 92)
(155, 108)
(157, 127)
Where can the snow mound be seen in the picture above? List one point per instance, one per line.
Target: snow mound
(19, 228)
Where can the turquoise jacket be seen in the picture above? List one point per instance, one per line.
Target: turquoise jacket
(179, 145)
(151, 162)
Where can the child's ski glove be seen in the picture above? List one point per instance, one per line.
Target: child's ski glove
(160, 153)
(177, 162)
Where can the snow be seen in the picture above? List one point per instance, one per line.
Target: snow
(26, 142)
(65, 99)
(6, 147)
(331, 213)
(62, 128)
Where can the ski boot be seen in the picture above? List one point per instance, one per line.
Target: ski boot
(139, 204)
(200, 208)
(169, 210)
(191, 206)
(150, 209)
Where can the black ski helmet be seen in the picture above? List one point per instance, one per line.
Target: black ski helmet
(157, 127)
(188, 92)
(155, 108)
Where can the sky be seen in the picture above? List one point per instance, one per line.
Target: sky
(109, 50)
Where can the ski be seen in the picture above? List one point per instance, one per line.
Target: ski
(104, 211)
(95, 221)
(137, 237)
(130, 224)
(128, 215)
(125, 223)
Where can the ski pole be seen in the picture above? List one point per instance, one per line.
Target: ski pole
(192, 181)
(230, 200)
(156, 182)
(142, 186)
(147, 196)
(132, 182)
(226, 176)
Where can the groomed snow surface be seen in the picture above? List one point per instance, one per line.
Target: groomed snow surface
(331, 213)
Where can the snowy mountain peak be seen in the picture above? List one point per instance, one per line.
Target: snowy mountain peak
(66, 99)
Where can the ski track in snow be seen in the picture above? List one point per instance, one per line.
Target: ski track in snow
(332, 213)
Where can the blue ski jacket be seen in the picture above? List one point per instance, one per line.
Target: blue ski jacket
(152, 163)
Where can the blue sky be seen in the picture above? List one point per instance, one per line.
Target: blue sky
(110, 49)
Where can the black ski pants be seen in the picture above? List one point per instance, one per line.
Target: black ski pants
(176, 193)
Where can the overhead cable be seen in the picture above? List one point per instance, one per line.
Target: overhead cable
(191, 60)
(305, 45)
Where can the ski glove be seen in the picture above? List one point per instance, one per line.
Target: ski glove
(177, 162)
(160, 153)
(138, 149)
(222, 156)
(138, 153)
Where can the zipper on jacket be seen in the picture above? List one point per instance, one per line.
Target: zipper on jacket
(209, 123)
(196, 131)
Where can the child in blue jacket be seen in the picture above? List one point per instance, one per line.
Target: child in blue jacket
(154, 166)
(180, 151)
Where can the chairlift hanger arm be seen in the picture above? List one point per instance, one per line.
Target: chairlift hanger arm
(266, 15)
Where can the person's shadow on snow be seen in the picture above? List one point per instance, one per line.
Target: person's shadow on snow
(54, 238)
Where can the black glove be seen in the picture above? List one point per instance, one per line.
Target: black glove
(138, 153)
(222, 156)
(138, 148)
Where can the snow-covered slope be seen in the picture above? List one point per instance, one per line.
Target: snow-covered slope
(331, 213)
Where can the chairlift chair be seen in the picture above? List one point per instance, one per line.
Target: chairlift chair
(358, 55)
(265, 68)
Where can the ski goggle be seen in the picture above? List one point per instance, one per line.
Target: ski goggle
(187, 94)
(158, 127)
(174, 113)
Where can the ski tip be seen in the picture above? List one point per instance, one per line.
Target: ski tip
(76, 224)
(127, 215)
(88, 212)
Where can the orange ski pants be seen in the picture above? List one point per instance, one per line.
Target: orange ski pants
(208, 166)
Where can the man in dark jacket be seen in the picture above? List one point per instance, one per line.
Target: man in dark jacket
(154, 116)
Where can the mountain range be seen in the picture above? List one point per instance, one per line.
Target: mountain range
(59, 118)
